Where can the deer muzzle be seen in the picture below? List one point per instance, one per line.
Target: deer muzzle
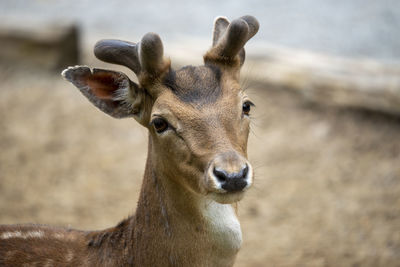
(229, 175)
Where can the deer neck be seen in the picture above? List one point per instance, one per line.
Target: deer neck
(176, 224)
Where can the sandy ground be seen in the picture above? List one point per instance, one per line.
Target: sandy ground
(327, 189)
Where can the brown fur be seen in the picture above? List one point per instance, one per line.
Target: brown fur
(181, 217)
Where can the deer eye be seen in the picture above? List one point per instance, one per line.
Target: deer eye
(246, 107)
(160, 125)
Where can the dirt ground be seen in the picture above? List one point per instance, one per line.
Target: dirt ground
(327, 189)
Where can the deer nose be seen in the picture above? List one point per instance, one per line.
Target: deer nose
(232, 182)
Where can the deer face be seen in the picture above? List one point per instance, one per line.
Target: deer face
(199, 127)
(198, 117)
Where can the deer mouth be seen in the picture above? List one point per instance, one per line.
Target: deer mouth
(227, 198)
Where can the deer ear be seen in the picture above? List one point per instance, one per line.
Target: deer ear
(110, 91)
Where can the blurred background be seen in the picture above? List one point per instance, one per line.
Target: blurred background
(325, 141)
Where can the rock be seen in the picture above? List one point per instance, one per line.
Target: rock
(47, 47)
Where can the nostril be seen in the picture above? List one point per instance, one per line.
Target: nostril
(244, 171)
(221, 175)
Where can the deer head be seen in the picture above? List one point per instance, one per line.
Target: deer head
(197, 117)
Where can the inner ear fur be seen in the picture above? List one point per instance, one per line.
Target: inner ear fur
(110, 91)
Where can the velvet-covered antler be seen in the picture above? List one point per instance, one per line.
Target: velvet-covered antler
(145, 58)
(119, 52)
(230, 38)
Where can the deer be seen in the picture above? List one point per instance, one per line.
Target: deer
(197, 168)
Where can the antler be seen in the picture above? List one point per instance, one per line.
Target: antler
(230, 38)
(118, 52)
(145, 58)
(151, 54)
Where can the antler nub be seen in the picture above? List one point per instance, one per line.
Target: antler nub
(118, 52)
(220, 25)
(253, 24)
(151, 54)
(230, 38)
(144, 58)
(234, 39)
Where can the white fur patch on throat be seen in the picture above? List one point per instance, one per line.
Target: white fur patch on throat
(224, 225)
